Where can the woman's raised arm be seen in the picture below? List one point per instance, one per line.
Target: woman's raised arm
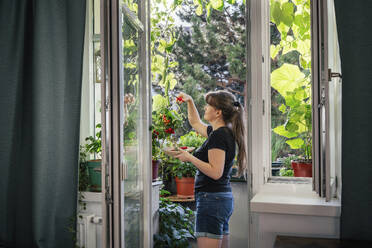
(193, 115)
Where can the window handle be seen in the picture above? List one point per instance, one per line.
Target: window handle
(124, 171)
(333, 74)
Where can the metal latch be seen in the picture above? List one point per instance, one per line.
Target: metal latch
(333, 74)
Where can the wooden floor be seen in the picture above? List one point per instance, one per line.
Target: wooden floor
(299, 242)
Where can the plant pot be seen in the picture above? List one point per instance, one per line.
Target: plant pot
(94, 174)
(155, 169)
(185, 187)
(302, 169)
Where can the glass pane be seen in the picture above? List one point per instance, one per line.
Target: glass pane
(131, 128)
(96, 13)
(97, 61)
(291, 104)
(97, 68)
(132, 5)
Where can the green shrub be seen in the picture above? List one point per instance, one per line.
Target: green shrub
(176, 225)
(192, 139)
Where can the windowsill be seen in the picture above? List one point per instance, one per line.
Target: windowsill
(157, 183)
(293, 198)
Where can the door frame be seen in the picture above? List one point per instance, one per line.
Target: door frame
(113, 168)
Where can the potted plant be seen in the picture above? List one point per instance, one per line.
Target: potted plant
(184, 175)
(287, 170)
(297, 128)
(94, 147)
(184, 172)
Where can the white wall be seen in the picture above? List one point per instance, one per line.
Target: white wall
(270, 225)
(239, 221)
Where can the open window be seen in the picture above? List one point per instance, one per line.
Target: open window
(303, 33)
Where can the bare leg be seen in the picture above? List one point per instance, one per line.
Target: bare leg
(225, 241)
(204, 242)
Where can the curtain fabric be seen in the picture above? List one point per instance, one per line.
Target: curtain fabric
(41, 48)
(355, 38)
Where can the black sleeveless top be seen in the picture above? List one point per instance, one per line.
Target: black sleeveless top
(221, 138)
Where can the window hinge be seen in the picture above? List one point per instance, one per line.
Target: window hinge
(263, 106)
(322, 98)
(107, 105)
(108, 198)
(251, 178)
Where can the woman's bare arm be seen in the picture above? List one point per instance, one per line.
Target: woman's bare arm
(193, 115)
(213, 169)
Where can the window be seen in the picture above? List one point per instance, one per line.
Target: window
(288, 17)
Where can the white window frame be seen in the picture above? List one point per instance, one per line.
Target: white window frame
(259, 120)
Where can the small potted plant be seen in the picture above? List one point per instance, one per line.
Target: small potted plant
(184, 172)
(184, 175)
(287, 170)
(94, 147)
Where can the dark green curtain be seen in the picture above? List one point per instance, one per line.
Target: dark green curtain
(41, 48)
(354, 20)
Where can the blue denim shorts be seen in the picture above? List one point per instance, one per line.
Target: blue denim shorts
(213, 211)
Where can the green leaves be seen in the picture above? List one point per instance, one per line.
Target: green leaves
(283, 108)
(158, 102)
(199, 10)
(176, 225)
(283, 132)
(287, 78)
(287, 14)
(291, 79)
(274, 50)
(192, 139)
(295, 143)
(217, 4)
(282, 13)
(275, 12)
(177, 3)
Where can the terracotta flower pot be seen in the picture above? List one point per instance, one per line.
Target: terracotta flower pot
(155, 169)
(185, 187)
(302, 169)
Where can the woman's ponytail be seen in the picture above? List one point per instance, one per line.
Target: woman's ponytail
(238, 129)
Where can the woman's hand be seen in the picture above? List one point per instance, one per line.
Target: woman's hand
(184, 156)
(184, 97)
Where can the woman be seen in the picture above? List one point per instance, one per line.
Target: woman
(214, 159)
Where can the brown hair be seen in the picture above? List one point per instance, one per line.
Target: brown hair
(232, 114)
